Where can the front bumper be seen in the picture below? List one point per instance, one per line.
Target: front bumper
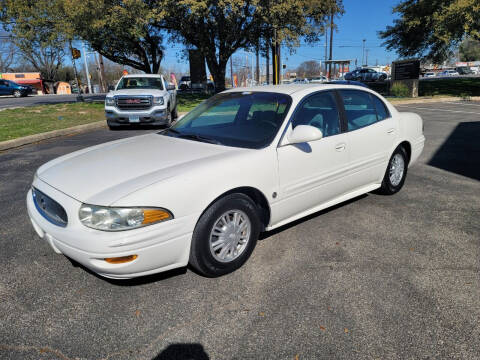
(156, 116)
(159, 247)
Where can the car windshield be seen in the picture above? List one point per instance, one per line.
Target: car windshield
(240, 119)
(140, 83)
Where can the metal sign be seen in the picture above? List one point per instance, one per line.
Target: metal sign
(406, 70)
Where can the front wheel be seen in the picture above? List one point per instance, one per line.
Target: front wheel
(225, 236)
(174, 113)
(396, 172)
(17, 93)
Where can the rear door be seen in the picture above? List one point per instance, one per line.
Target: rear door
(313, 173)
(371, 135)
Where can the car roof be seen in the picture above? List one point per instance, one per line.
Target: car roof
(143, 75)
(292, 88)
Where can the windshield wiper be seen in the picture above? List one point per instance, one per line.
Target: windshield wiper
(199, 138)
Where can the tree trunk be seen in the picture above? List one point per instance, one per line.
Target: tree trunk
(219, 77)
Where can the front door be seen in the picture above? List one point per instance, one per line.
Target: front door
(313, 173)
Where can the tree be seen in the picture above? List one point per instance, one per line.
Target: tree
(432, 28)
(126, 32)
(37, 36)
(8, 54)
(308, 69)
(469, 50)
(219, 28)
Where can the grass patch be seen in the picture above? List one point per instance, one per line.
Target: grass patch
(187, 102)
(15, 123)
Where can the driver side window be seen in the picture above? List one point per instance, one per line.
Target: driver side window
(319, 110)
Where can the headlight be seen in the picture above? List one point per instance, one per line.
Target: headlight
(117, 219)
(109, 101)
(158, 100)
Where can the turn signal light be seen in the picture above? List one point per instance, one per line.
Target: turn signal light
(154, 215)
(121, 259)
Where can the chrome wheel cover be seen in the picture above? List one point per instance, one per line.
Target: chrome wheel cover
(397, 168)
(230, 235)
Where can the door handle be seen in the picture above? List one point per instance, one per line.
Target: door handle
(340, 147)
(390, 131)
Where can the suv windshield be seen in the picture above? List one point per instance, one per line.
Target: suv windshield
(140, 83)
(240, 119)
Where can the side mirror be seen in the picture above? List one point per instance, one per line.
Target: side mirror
(170, 87)
(304, 133)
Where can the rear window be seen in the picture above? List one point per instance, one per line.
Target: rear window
(140, 83)
(359, 109)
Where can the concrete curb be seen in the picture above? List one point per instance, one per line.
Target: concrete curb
(10, 144)
(433, 100)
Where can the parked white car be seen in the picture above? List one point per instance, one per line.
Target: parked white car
(141, 99)
(429, 74)
(448, 73)
(245, 161)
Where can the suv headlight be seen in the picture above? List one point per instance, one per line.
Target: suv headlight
(117, 218)
(158, 100)
(109, 101)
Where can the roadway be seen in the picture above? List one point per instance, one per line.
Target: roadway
(8, 102)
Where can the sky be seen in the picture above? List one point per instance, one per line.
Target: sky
(362, 20)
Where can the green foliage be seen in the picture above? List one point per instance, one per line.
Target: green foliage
(400, 90)
(126, 32)
(36, 32)
(469, 50)
(432, 28)
(453, 87)
(219, 28)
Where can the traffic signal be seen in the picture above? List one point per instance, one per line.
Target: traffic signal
(76, 53)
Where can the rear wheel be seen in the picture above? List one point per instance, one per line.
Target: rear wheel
(174, 113)
(225, 236)
(396, 172)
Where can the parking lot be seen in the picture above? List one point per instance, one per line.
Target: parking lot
(378, 277)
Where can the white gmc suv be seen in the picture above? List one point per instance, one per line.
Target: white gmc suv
(141, 99)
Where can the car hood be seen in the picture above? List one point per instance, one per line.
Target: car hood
(133, 92)
(103, 174)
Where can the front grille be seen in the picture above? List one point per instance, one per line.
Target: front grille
(134, 102)
(49, 208)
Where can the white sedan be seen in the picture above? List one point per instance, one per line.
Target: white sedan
(245, 161)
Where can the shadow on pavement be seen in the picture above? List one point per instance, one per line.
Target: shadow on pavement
(183, 352)
(268, 234)
(460, 153)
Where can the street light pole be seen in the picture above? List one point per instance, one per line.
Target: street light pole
(363, 52)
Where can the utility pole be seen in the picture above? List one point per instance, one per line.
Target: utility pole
(363, 52)
(74, 67)
(86, 69)
(267, 59)
(366, 57)
(331, 46)
(257, 69)
(326, 49)
(231, 71)
(102, 73)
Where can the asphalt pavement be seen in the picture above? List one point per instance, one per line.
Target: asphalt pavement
(378, 277)
(8, 102)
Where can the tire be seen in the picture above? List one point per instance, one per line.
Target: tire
(174, 113)
(205, 258)
(392, 184)
(169, 117)
(17, 93)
